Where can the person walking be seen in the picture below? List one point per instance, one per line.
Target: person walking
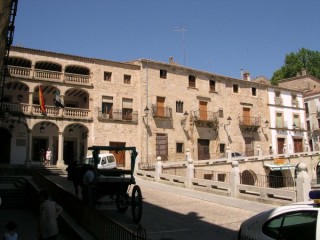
(49, 211)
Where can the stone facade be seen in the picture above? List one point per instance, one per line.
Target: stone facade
(104, 103)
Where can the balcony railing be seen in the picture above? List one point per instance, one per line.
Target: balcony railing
(295, 103)
(118, 115)
(278, 101)
(47, 75)
(76, 78)
(280, 124)
(205, 116)
(161, 112)
(249, 121)
(72, 78)
(51, 111)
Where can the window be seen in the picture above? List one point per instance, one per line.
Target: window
(296, 120)
(221, 113)
(163, 73)
(307, 108)
(279, 120)
(127, 79)
(127, 109)
(192, 81)
(318, 122)
(107, 105)
(254, 91)
(292, 225)
(212, 84)
(222, 148)
(179, 147)
(179, 107)
(107, 76)
(278, 94)
(235, 88)
(308, 126)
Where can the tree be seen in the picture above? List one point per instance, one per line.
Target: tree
(295, 62)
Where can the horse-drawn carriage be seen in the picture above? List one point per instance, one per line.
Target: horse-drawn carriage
(115, 183)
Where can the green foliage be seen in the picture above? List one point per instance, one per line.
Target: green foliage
(295, 62)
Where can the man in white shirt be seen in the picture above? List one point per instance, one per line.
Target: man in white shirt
(49, 211)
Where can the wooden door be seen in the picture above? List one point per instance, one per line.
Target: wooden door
(162, 146)
(120, 155)
(280, 145)
(249, 151)
(297, 145)
(160, 107)
(203, 110)
(246, 116)
(203, 149)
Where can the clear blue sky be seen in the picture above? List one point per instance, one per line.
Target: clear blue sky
(223, 36)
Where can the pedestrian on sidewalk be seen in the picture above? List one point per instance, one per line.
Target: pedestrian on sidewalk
(11, 233)
(49, 211)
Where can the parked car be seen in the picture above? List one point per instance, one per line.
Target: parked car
(296, 221)
(106, 161)
(236, 154)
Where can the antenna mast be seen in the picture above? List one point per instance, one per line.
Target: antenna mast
(182, 29)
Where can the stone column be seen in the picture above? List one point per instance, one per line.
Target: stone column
(228, 151)
(234, 179)
(29, 148)
(30, 102)
(158, 170)
(259, 152)
(60, 161)
(303, 183)
(190, 170)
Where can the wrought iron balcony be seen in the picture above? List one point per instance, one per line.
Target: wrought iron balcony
(206, 119)
(249, 123)
(278, 101)
(161, 112)
(118, 115)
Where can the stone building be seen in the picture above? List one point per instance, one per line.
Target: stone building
(160, 108)
(88, 102)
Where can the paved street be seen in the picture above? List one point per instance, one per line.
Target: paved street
(176, 213)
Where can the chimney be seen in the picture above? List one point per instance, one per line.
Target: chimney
(298, 74)
(246, 76)
(303, 72)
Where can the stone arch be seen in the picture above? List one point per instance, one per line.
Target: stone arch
(47, 65)
(16, 92)
(48, 91)
(75, 142)
(248, 177)
(44, 136)
(76, 69)
(19, 62)
(276, 179)
(76, 98)
(5, 145)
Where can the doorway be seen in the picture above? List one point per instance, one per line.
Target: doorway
(120, 155)
(297, 142)
(162, 146)
(5, 145)
(39, 147)
(280, 145)
(203, 149)
(68, 152)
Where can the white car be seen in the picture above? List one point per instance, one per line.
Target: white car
(297, 221)
(106, 161)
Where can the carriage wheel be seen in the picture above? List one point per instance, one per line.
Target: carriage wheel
(122, 202)
(136, 204)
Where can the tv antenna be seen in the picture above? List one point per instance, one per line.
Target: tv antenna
(182, 29)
